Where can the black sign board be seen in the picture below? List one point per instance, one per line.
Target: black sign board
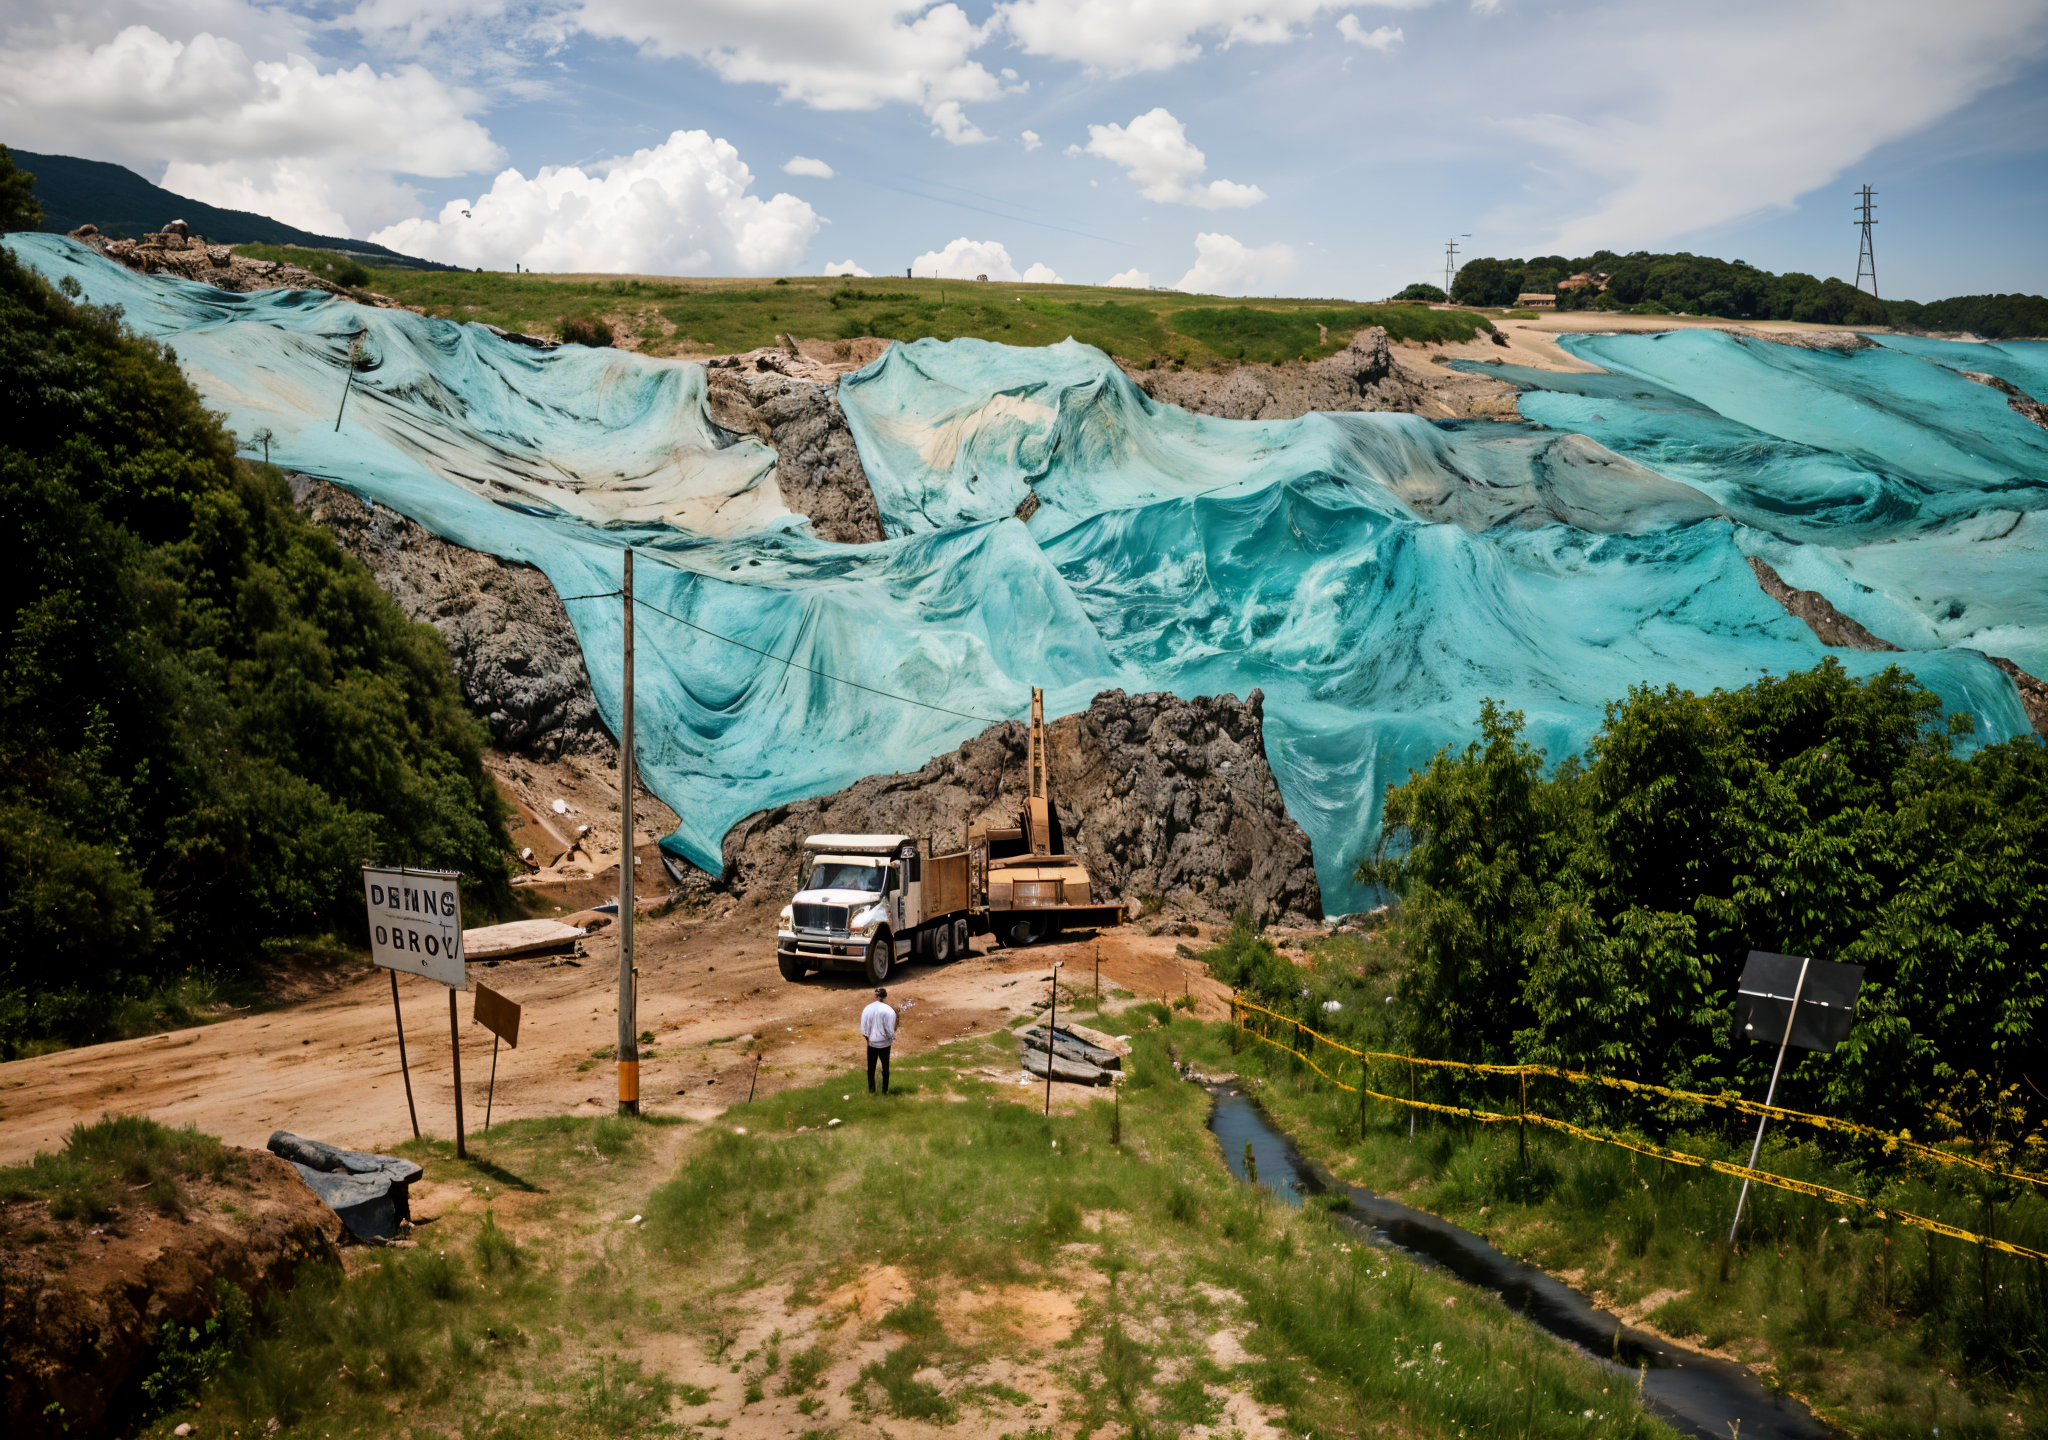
(1827, 1000)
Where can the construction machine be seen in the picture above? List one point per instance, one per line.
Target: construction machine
(865, 902)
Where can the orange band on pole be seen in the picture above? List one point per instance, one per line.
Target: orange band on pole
(629, 1082)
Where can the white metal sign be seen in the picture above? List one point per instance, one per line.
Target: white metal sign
(416, 923)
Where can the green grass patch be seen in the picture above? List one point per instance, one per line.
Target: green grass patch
(116, 1161)
(673, 315)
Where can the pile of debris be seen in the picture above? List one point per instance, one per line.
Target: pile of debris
(1072, 1053)
(371, 1193)
(175, 250)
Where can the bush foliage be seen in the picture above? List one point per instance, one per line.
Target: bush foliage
(1598, 915)
(212, 716)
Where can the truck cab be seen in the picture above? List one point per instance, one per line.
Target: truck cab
(866, 901)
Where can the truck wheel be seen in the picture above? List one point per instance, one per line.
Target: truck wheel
(879, 949)
(791, 966)
(942, 943)
(960, 939)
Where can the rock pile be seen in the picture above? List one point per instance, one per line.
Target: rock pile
(1164, 797)
(1364, 376)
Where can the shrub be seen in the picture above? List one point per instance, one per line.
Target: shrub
(585, 330)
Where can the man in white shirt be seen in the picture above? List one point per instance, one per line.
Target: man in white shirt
(878, 1028)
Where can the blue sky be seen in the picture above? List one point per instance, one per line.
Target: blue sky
(1237, 146)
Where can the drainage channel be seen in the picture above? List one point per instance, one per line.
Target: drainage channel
(1697, 1394)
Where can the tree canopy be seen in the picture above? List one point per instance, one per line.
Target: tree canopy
(1597, 915)
(210, 716)
(1687, 284)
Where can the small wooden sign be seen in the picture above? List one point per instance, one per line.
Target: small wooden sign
(497, 1015)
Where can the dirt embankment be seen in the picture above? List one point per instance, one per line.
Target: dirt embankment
(84, 1306)
(1364, 376)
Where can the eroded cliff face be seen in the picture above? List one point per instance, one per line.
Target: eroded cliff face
(508, 634)
(1162, 796)
(1364, 376)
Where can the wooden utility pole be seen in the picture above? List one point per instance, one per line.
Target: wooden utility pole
(629, 1033)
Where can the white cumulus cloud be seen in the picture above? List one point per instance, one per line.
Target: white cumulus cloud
(1120, 37)
(1225, 265)
(1129, 280)
(314, 146)
(1031, 140)
(827, 54)
(681, 207)
(804, 165)
(964, 259)
(846, 267)
(1382, 38)
(1156, 152)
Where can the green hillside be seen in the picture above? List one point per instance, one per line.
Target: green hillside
(680, 316)
(75, 192)
(1686, 284)
(211, 716)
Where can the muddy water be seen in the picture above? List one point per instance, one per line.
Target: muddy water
(1697, 1394)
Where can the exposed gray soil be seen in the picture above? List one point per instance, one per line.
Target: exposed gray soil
(1364, 376)
(1162, 796)
(817, 467)
(508, 633)
(2016, 400)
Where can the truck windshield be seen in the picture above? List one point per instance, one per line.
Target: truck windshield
(840, 875)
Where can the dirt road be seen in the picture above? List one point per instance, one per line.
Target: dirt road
(709, 991)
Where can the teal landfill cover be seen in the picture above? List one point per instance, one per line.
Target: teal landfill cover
(1374, 575)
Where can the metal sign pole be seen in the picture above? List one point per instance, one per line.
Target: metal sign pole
(455, 1051)
(1770, 1095)
(490, 1095)
(399, 1017)
(629, 1044)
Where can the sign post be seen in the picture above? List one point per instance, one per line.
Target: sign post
(416, 926)
(1805, 1002)
(501, 1017)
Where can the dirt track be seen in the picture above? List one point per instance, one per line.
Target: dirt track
(709, 991)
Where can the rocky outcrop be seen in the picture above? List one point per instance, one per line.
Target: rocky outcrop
(1829, 625)
(172, 252)
(1363, 376)
(508, 634)
(83, 1307)
(2033, 694)
(1161, 796)
(2016, 400)
(817, 467)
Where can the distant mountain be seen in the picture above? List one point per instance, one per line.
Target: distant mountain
(75, 192)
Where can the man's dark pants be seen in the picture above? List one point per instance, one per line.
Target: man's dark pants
(881, 1054)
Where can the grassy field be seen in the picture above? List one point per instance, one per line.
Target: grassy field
(1887, 1331)
(682, 316)
(945, 1260)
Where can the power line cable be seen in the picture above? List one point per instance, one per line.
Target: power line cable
(823, 674)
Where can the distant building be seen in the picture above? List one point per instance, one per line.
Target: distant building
(1536, 302)
(1585, 279)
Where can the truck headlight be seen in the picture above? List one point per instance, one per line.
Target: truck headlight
(787, 918)
(866, 924)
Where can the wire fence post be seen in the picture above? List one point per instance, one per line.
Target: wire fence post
(1522, 1122)
(1411, 1102)
(1364, 1085)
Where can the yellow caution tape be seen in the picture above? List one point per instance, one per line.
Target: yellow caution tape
(1642, 1147)
(1891, 1142)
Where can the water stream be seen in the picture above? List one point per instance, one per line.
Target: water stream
(1697, 1394)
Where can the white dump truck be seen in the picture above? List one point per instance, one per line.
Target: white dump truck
(864, 902)
(868, 901)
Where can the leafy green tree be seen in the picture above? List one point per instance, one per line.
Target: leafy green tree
(19, 209)
(210, 717)
(1599, 917)
(1422, 290)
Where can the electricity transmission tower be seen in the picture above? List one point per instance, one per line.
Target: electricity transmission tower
(1866, 258)
(1451, 261)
